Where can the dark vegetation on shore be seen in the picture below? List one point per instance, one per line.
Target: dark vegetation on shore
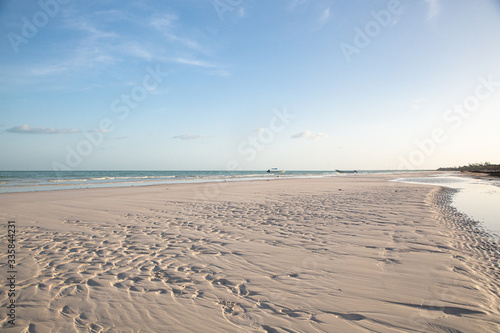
(486, 168)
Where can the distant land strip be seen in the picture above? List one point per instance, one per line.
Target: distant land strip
(483, 168)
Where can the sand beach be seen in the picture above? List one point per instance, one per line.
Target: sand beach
(249, 166)
(340, 254)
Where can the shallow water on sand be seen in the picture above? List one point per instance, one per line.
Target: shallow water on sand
(478, 198)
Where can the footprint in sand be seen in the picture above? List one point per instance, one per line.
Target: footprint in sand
(231, 308)
(241, 290)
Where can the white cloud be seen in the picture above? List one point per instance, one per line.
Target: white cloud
(309, 135)
(100, 41)
(220, 72)
(49, 69)
(417, 103)
(241, 12)
(192, 62)
(166, 24)
(324, 17)
(95, 47)
(295, 3)
(190, 137)
(27, 129)
(91, 30)
(433, 10)
(99, 45)
(303, 134)
(137, 50)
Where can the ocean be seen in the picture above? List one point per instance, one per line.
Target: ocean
(29, 181)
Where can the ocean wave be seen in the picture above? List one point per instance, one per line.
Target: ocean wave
(153, 177)
(66, 180)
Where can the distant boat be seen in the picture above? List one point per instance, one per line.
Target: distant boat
(346, 171)
(275, 170)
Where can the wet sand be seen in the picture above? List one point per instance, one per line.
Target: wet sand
(346, 254)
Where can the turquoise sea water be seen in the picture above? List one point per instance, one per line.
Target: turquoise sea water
(28, 181)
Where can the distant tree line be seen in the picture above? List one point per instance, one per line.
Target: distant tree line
(485, 167)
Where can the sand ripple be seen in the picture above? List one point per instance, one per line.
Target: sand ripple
(378, 258)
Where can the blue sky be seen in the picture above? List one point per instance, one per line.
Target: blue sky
(247, 84)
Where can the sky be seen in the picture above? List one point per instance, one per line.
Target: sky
(248, 84)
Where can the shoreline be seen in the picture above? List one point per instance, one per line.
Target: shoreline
(475, 239)
(350, 253)
(489, 175)
(477, 196)
(37, 181)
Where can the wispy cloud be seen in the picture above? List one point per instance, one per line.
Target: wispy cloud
(417, 103)
(192, 62)
(166, 25)
(241, 12)
(100, 43)
(27, 129)
(309, 135)
(295, 3)
(115, 43)
(324, 17)
(91, 46)
(138, 50)
(49, 70)
(91, 30)
(190, 137)
(220, 72)
(433, 9)
(110, 39)
(96, 45)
